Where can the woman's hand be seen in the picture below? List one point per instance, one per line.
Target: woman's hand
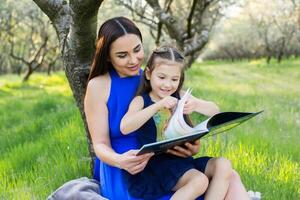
(132, 163)
(190, 150)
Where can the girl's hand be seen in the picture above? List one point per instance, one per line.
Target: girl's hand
(194, 104)
(190, 150)
(168, 102)
(190, 105)
(132, 163)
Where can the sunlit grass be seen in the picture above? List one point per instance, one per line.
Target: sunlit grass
(43, 143)
(42, 140)
(265, 150)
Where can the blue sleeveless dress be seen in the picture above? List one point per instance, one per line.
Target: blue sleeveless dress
(122, 91)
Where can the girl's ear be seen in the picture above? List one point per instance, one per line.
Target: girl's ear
(147, 73)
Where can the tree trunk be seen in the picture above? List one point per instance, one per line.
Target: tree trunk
(75, 24)
(191, 59)
(49, 69)
(281, 50)
(268, 59)
(279, 57)
(28, 73)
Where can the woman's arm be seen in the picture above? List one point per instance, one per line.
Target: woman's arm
(97, 119)
(136, 116)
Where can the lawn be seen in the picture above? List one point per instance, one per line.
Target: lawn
(43, 143)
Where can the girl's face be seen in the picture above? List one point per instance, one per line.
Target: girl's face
(164, 79)
(126, 55)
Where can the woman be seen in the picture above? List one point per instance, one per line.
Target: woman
(113, 81)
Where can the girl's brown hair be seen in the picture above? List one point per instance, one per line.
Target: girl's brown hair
(110, 30)
(163, 54)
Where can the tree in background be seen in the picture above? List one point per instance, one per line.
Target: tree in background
(28, 40)
(276, 24)
(187, 23)
(257, 30)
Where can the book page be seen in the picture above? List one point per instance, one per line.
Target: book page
(177, 126)
(202, 126)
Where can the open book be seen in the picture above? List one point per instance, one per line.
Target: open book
(179, 132)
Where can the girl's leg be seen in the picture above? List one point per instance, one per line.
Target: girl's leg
(236, 190)
(219, 171)
(225, 182)
(191, 185)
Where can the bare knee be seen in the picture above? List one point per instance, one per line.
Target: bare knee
(223, 168)
(235, 176)
(199, 182)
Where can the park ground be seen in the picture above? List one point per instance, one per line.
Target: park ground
(43, 143)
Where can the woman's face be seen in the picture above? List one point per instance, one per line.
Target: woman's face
(126, 55)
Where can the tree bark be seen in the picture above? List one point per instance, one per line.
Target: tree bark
(75, 24)
(28, 73)
(192, 34)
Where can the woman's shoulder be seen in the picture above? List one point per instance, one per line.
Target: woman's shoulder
(94, 82)
(99, 86)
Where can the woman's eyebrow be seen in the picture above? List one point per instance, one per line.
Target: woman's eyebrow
(137, 46)
(124, 52)
(121, 52)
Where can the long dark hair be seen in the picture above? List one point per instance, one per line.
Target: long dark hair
(163, 54)
(110, 30)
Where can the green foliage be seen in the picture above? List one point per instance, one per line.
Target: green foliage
(43, 143)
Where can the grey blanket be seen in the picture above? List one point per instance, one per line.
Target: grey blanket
(78, 189)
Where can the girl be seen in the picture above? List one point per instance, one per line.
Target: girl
(160, 89)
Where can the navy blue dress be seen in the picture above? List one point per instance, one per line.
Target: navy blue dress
(162, 171)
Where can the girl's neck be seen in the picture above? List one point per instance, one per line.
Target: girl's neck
(154, 97)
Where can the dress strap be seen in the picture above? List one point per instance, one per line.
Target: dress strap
(147, 100)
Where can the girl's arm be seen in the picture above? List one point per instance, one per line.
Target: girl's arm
(204, 107)
(201, 106)
(136, 116)
(97, 119)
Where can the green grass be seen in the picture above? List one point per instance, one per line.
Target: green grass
(265, 150)
(43, 143)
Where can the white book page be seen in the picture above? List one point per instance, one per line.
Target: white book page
(177, 126)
